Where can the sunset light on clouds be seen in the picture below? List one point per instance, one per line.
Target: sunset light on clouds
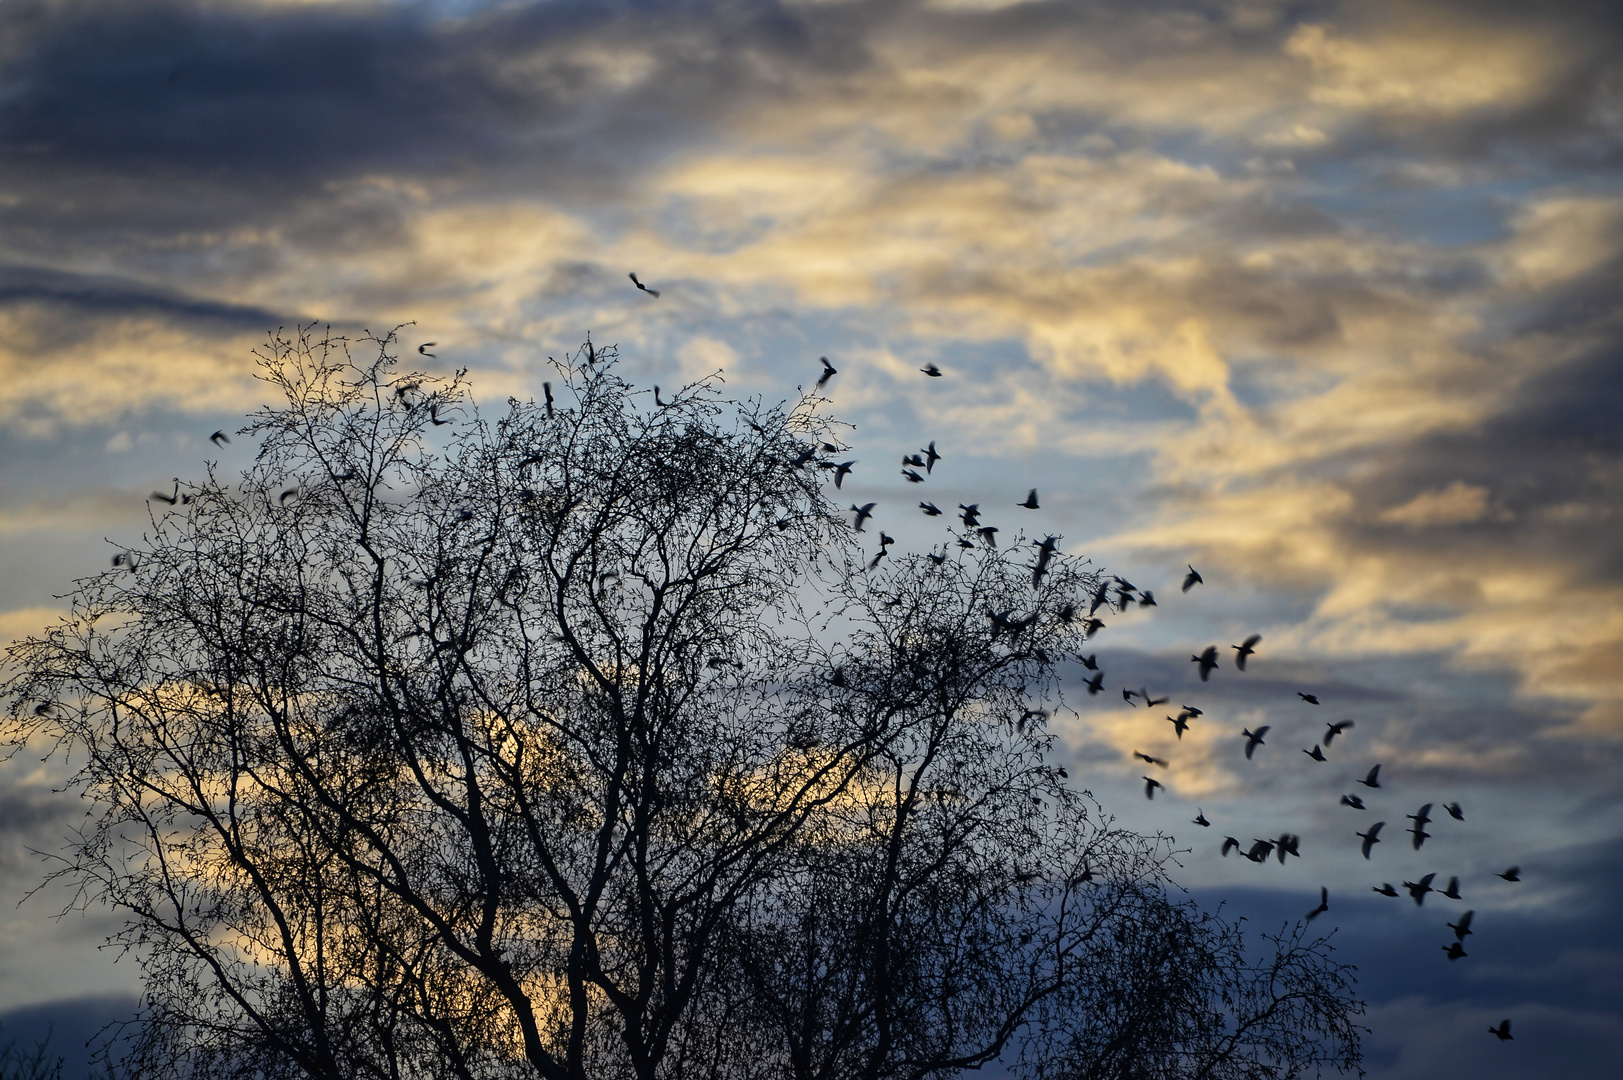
(1321, 298)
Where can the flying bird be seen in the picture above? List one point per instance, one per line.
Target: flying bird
(1189, 712)
(1332, 730)
(1045, 554)
(1191, 579)
(170, 499)
(1151, 760)
(1372, 837)
(1207, 661)
(931, 370)
(1454, 811)
(1463, 927)
(1200, 818)
(1031, 500)
(1513, 874)
(1420, 836)
(1289, 844)
(1095, 684)
(1090, 661)
(425, 346)
(930, 457)
(434, 411)
(1309, 698)
(864, 512)
(1150, 784)
(1179, 724)
(1354, 801)
(1386, 889)
(1245, 649)
(840, 470)
(1253, 739)
(1260, 850)
(1422, 817)
(651, 292)
(1371, 780)
(829, 371)
(914, 460)
(1091, 627)
(1324, 904)
(1147, 599)
(1453, 890)
(1503, 1031)
(1230, 844)
(971, 514)
(930, 509)
(1419, 889)
(1127, 695)
(1316, 754)
(219, 438)
(1454, 950)
(989, 534)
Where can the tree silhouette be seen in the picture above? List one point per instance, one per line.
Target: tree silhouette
(581, 743)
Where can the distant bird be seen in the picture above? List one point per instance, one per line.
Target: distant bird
(936, 557)
(829, 371)
(1067, 615)
(1503, 1031)
(1045, 554)
(1309, 698)
(1454, 811)
(170, 499)
(840, 472)
(1191, 579)
(914, 460)
(931, 370)
(1332, 730)
(1324, 904)
(1372, 837)
(434, 411)
(1091, 627)
(219, 438)
(1354, 801)
(1422, 817)
(1463, 927)
(1063, 775)
(912, 477)
(1316, 754)
(1419, 889)
(1453, 890)
(1189, 712)
(1090, 661)
(1095, 684)
(1370, 781)
(1147, 758)
(286, 495)
(1200, 818)
(1454, 950)
(546, 388)
(651, 292)
(1099, 597)
(1031, 500)
(1260, 850)
(930, 509)
(1207, 661)
(1420, 836)
(125, 559)
(1513, 874)
(1289, 844)
(971, 514)
(1127, 695)
(1150, 784)
(1147, 599)
(425, 346)
(1245, 649)
(989, 534)
(1253, 739)
(1179, 725)
(1386, 889)
(930, 457)
(1230, 844)
(864, 512)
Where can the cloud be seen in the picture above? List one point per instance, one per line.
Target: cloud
(1458, 504)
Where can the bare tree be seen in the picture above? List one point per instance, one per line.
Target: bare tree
(581, 743)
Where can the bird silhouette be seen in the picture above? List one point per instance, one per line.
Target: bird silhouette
(1200, 818)
(1324, 904)
(1191, 579)
(1245, 649)
(1332, 730)
(1454, 811)
(1045, 554)
(930, 457)
(1463, 927)
(1090, 661)
(1420, 836)
(546, 388)
(1147, 599)
(1419, 889)
(1372, 837)
(651, 292)
(1189, 712)
(1503, 1031)
(1150, 784)
(1371, 781)
(1386, 889)
(286, 495)
(912, 476)
(1316, 754)
(1513, 874)
(914, 460)
(1147, 758)
(1288, 844)
(989, 534)
(931, 370)
(219, 438)
(864, 512)
(425, 346)
(170, 499)
(1253, 739)
(1207, 660)
(1091, 627)
(1354, 801)
(829, 371)
(1453, 890)
(1230, 844)
(1127, 695)
(1260, 850)
(1421, 817)
(434, 411)
(1309, 698)
(1095, 684)
(930, 509)
(1454, 950)
(1031, 500)
(1179, 725)
(1152, 702)
(971, 514)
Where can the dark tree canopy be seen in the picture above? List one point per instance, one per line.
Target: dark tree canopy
(581, 743)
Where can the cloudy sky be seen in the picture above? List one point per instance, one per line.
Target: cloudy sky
(1320, 297)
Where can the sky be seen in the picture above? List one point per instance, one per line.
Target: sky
(1320, 298)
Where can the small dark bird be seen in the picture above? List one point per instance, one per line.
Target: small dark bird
(1067, 615)
(425, 346)
(1147, 758)
(1420, 836)
(1253, 739)
(219, 438)
(989, 534)
(930, 509)
(1324, 904)
(1127, 695)
(914, 460)
(1372, 837)
(1332, 730)
(1150, 784)
(1453, 890)
(1180, 725)
(971, 514)
(1207, 661)
(1245, 649)
(1045, 554)
(1200, 818)
(1309, 698)
(1289, 844)
(840, 470)
(1513, 874)
(965, 543)
(125, 559)
(1063, 775)
(936, 557)
(1191, 579)
(1260, 850)
(1354, 801)
(1419, 889)
(1147, 600)
(1386, 889)
(1316, 754)
(1230, 844)
(1091, 627)
(1031, 500)
(1454, 950)
(930, 457)
(912, 477)
(1422, 817)
(829, 371)
(1463, 927)
(1454, 811)
(170, 499)
(864, 512)
(1503, 1031)
(286, 495)
(931, 370)
(546, 388)
(1189, 712)
(1152, 702)
(1095, 684)
(434, 411)
(651, 292)
(657, 399)
(1090, 661)
(1371, 780)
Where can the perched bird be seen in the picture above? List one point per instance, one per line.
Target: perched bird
(931, 370)
(1419, 889)
(1454, 811)
(829, 371)
(971, 514)
(1090, 661)
(912, 476)
(841, 470)
(1503, 1031)
(936, 557)
(546, 388)
(219, 438)
(1370, 781)
(1253, 739)
(1386, 889)
(652, 292)
(1095, 684)
(1200, 818)
(1191, 579)
(1463, 927)
(1324, 904)
(1513, 874)
(1207, 660)
(1332, 730)
(1453, 890)
(1150, 784)
(1031, 500)
(1372, 837)
(1179, 725)
(1147, 758)
(1354, 801)
(864, 512)
(1309, 698)
(1245, 649)
(1230, 844)
(1454, 950)
(1316, 754)
(930, 509)
(930, 457)
(425, 346)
